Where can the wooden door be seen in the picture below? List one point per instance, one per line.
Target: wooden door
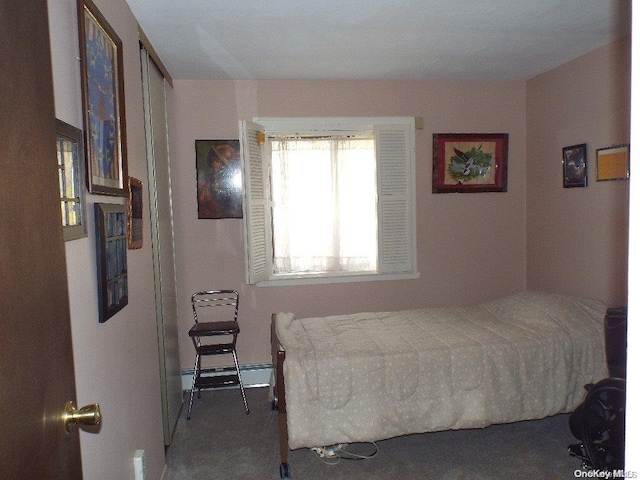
(36, 358)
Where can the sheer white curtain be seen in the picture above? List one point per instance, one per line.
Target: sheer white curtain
(324, 215)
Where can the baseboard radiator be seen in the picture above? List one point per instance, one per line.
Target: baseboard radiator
(253, 375)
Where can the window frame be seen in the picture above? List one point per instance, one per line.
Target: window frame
(395, 163)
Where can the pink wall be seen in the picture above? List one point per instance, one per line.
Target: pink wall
(471, 247)
(577, 238)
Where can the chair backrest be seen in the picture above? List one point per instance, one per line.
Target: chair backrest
(224, 301)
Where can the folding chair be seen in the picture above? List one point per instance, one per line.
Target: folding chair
(215, 332)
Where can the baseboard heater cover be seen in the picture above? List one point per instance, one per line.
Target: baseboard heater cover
(253, 375)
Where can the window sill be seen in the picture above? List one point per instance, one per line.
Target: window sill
(292, 280)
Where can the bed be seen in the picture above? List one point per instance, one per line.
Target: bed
(376, 375)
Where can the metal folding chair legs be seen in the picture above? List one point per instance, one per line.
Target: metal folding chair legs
(244, 396)
(225, 381)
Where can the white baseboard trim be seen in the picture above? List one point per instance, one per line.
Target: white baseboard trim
(255, 375)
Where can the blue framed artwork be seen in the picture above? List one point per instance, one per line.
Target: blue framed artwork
(111, 259)
(103, 102)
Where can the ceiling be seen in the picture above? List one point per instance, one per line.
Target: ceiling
(419, 40)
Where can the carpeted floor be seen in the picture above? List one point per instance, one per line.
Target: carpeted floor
(222, 442)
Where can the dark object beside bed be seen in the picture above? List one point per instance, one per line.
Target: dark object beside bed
(599, 422)
(615, 334)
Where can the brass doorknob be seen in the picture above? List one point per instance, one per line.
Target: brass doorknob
(87, 415)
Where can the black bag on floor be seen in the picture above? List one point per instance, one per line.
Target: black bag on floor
(599, 424)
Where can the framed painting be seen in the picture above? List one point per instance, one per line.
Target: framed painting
(219, 179)
(470, 162)
(70, 153)
(103, 102)
(574, 166)
(111, 258)
(612, 163)
(134, 214)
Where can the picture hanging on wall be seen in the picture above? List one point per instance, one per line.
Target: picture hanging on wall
(111, 258)
(470, 162)
(574, 166)
(102, 83)
(219, 179)
(612, 163)
(70, 153)
(134, 214)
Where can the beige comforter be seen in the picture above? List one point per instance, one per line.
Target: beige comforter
(370, 376)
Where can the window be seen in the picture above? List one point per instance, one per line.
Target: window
(329, 200)
(323, 192)
(71, 174)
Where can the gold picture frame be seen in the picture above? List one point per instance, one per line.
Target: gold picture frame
(612, 163)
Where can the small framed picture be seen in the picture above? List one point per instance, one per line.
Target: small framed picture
(70, 150)
(574, 166)
(219, 178)
(470, 162)
(134, 214)
(612, 163)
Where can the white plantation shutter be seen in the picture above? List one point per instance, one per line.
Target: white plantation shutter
(257, 218)
(395, 146)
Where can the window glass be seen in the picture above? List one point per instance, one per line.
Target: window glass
(324, 204)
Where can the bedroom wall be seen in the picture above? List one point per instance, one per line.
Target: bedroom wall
(577, 238)
(471, 247)
(116, 363)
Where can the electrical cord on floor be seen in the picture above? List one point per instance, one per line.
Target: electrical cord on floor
(333, 454)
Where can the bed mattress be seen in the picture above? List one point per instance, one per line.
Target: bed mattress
(371, 376)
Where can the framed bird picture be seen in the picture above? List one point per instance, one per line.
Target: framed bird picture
(470, 162)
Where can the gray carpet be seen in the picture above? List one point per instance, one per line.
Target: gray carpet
(222, 442)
